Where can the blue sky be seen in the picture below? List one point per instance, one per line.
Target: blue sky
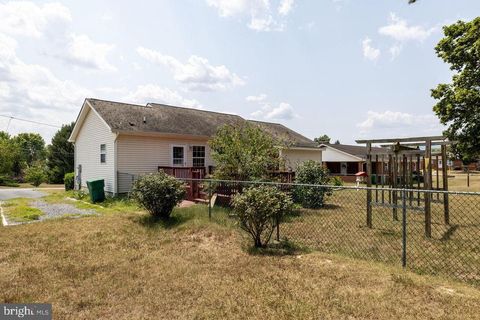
(348, 68)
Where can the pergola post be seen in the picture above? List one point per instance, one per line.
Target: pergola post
(428, 186)
(369, 184)
(446, 207)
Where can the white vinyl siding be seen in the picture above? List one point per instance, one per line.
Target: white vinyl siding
(93, 133)
(294, 157)
(143, 154)
(334, 155)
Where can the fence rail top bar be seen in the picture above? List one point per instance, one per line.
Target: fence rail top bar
(434, 139)
(329, 186)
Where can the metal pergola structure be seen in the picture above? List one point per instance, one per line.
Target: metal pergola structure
(405, 158)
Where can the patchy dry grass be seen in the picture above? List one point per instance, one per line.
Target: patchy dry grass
(340, 227)
(457, 181)
(18, 210)
(125, 266)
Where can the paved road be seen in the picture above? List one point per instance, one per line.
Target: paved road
(20, 193)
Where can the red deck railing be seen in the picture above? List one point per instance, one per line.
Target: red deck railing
(193, 187)
(224, 190)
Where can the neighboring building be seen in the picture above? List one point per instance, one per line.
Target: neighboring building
(458, 165)
(115, 141)
(345, 161)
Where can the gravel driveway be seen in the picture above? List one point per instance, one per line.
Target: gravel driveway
(6, 194)
(49, 210)
(55, 210)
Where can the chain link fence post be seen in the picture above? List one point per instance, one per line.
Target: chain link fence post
(404, 228)
(209, 200)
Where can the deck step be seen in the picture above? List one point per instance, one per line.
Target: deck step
(199, 200)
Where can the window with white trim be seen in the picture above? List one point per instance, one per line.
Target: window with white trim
(198, 156)
(178, 155)
(103, 153)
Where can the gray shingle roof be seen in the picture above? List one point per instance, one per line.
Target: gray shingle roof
(358, 151)
(160, 118)
(281, 133)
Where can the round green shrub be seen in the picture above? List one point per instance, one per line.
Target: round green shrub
(158, 193)
(35, 175)
(312, 172)
(69, 181)
(259, 210)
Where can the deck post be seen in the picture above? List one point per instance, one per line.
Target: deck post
(369, 184)
(446, 206)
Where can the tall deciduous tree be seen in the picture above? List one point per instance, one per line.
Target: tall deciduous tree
(31, 147)
(243, 153)
(458, 103)
(7, 154)
(322, 139)
(60, 154)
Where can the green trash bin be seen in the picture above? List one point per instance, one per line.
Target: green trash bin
(96, 190)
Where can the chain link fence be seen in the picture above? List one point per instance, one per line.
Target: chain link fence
(397, 233)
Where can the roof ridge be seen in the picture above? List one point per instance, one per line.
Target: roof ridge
(266, 122)
(195, 109)
(126, 103)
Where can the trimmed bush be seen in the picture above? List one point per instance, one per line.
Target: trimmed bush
(259, 210)
(35, 175)
(69, 181)
(158, 193)
(7, 182)
(312, 172)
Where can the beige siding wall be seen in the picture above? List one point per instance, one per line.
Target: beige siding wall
(143, 154)
(333, 155)
(294, 157)
(93, 133)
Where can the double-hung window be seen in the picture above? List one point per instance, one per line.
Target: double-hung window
(198, 156)
(103, 153)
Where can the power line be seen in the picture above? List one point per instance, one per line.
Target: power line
(31, 121)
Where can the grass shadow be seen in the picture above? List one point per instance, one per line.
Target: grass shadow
(447, 235)
(173, 221)
(279, 248)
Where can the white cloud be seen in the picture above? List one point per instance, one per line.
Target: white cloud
(262, 17)
(399, 30)
(29, 19)
(283, 111)
(396, 123)
(395, 50)
(370, 52)
(153, 93)
(261, 97)
(32, 91)
(266, 23)
(227, 8)
(197, 73)
(84, 52)
(24, 18)
(285, 7)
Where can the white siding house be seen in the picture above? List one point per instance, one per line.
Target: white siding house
(93, 135)
(117, 141)
(139, 154)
